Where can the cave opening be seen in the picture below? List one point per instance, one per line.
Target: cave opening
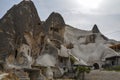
(96, 66)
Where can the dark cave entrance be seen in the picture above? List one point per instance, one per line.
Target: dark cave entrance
(1, 67)
(96, 66)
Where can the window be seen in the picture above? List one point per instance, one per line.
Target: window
(28, 52)
(56, 30)
(16, 53)
(51, 28)
(38, 23)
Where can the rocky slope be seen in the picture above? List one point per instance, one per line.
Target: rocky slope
(21, 25)
(91, 46)
(25, 41)
(102, 75)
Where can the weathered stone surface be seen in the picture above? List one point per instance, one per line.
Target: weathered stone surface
(55, 26)
(54, 20)
(25, 40)
(95, 29)
(20, 25)
(24, 37)
(90, 39)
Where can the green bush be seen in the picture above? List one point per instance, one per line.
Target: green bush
(83, 69)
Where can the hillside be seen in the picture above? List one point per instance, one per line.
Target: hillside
(47, 48)
(90, 46)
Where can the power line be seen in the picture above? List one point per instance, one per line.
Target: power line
(112, 32)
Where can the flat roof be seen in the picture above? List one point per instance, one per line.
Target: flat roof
(117, 56)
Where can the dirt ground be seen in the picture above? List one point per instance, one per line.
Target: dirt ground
(102, 75)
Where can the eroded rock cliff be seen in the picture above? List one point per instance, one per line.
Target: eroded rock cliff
(27, 42)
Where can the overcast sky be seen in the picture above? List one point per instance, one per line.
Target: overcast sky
(82, 14)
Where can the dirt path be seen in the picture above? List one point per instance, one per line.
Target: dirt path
(103, 75)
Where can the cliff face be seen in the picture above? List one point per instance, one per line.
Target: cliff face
(26, 41)
(16, 22)
(24, 37)
(54, 26)
(20, 19)
(91, 46)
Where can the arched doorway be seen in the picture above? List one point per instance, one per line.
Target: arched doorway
(96, 66)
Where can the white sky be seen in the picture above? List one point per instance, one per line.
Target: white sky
(82, 14)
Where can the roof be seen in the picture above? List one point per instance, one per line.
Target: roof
(46, 60)
(112, 57)
(117, 46)
(80, 62)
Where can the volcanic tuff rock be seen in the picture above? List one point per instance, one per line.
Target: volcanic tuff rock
(54, 26)
(23, 34)
(95, 29)
(20, 19)
(24, 39)
(92, 47)
(54, 20)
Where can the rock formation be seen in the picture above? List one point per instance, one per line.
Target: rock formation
(26, 43)
(25, 39)
(95, 29)
(92, 47)
(15, 26)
